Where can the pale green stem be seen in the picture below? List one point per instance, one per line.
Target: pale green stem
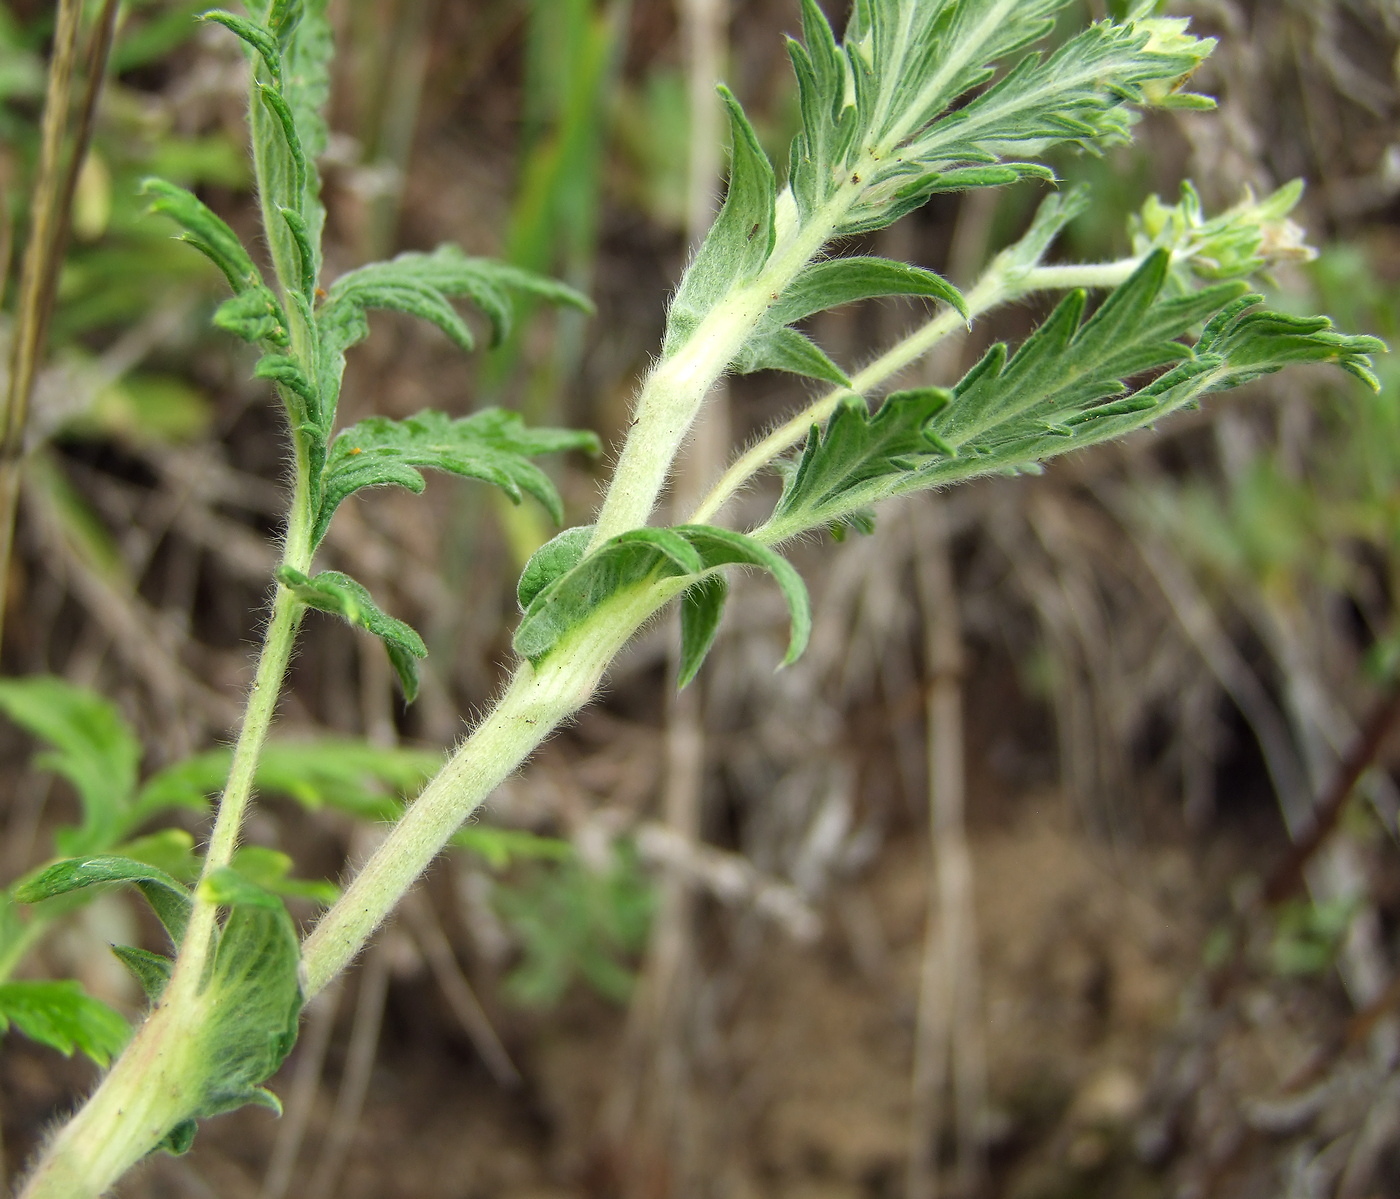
(146, 1092)
(995, 288)
(128, 1115)
(27, 938)
(278, 641)
(673, 393)
(538, 699)
(144, 1095)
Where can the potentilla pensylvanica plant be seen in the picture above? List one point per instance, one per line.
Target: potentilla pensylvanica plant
(920, 97)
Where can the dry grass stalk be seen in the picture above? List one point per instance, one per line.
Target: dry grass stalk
(650, 1111)
(61, 156)
(948, 1042)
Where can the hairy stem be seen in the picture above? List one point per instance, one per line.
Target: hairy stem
(279, 638)
(128, 1115)
(539, 699)
(672, 396)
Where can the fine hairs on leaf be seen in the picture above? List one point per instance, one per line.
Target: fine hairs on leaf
(917, 98)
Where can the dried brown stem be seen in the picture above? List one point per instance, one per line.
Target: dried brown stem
(1288, 877)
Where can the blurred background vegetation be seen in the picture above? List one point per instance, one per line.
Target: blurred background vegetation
(1171, 659)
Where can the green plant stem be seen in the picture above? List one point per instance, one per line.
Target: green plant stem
(32, 932)
(538, 699)
(278, 641)
(143, 1096)
(137, 1104)
(997, 286)
(671, 398)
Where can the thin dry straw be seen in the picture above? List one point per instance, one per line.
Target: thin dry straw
(50, 209)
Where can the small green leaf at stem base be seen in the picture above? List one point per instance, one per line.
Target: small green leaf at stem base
(168, 899)
(702, 605)
(339, 594)
(640, 556)
(151, 970)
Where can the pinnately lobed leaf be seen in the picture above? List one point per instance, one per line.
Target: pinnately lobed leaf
(169, 899)
(92, 747)
(63, 1016)
(339, 594)
(887, 122)
(881, 109)
(564, 588)
(425, 285)
(493, 445)
(1065, 388)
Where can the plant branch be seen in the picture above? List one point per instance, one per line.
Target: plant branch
(998, 286)
(672, 396)
(538, 699)
(278, 642)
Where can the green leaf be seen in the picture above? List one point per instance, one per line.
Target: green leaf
(570, 598)
(501, 847)
(301, 170)
(837, 281)
(723, 547)
(229, 887)
(702, 605)
(63, 1016)
(168, 899)
(856, 448)
(283, 17)
(170, 850)
(1065, 388)
(740, 240)
(642, 555)
(254, 315)
(493, 445)
(180, 1139)
(339, 594)
(829, 284)
(884, 112)
(424, 285)
(287, 371)
(365, 780)
(556, 556)
(206, 232)
(342, 317)
(151, 970)
(306, 250)
(303, 29)
(261, 40)
(245, 1017)
(272, 870)
(91, 746)
(1258, 342)
(783, 349)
